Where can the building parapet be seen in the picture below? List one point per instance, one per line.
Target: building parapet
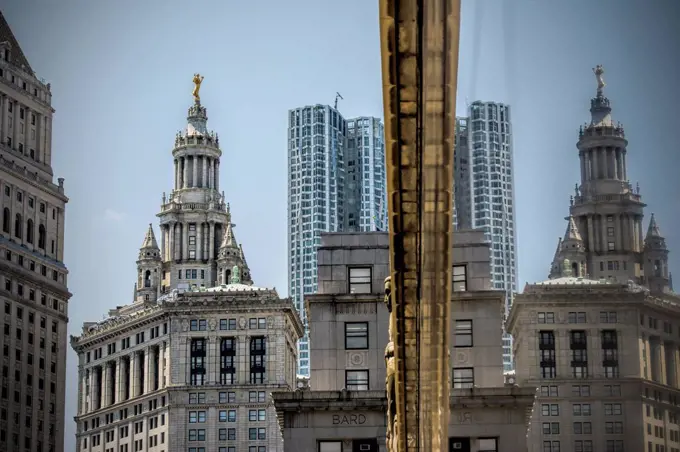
(32, 178)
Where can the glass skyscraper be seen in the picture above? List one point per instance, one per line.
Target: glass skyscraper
(484, 189)
(336, 182)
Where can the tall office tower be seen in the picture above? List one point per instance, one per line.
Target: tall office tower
(462, 206)
(366, 193)
(190, 363)
(336, 182)
(490, 204)
(31, 260)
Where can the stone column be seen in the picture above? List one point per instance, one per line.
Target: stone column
(676, 353)
(185, 241)
(15, 127)
(605, 239)
(162, 244)
(148, 366)
(98, 387)
(162, 364)
(120, 379)
(591, 234)
(185, 172)
(641, 240)
(84, 382)
(243, 360)
(194, 177)
(106, 369)
(211, 241)
(217, 175)
(661, 354)
(584, 176)
(596, 166)
(199, 243)
(204, 171)
(176, 174)
(630, 230)
(212, 360)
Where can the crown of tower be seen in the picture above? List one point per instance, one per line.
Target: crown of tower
(149, 248)
(572, 233)
(229, 239)
(601, 111)
(654, 239)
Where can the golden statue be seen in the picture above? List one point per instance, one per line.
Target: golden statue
(390, 364)
(198, 79)
(599, 71)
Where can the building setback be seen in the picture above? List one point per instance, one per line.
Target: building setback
(336, 182)
(33, 281)
(190, 363)
(344, 408)
(601, 338)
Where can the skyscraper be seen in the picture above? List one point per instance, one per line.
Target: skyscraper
(484, 161)
(336, 182)
(34, 277)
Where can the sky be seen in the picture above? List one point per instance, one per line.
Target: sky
(121, 83)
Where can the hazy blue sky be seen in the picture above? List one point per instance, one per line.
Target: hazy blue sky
(121, 82)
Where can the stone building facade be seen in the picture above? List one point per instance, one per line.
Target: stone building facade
(189, 365)
(601, 338)
(343, 408)
(33, 277)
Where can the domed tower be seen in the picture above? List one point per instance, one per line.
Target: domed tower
(148, 269)
(194, 217)
(230, 257)
(606, 209)
(572, 249)
(655, 255)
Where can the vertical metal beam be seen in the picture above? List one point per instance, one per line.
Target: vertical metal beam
(419, 40)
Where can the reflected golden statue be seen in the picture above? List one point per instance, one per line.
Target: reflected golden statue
(599, 71)
(390, 364)
(198, 79)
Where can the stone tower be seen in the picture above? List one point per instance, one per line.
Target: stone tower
(570, 248)
(604, 233)
(194, 218)
(148, 268)
(606, 211)
(655, 260)
(230, 257)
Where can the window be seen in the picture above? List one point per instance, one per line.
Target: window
(258, 352)
(197, 417)
(356, 380)
(356, 335)
(612, 409)
(549, 391)
(611, 246)
(577, 317)
(463, 377)
(198, 362)
(459, 278)
(196, 397)
(583, 446)
(463, 333)
(608, 317)
(546, 345)
(613, 428)
(546, 317)
(330, 446)
(583, 428)
(579, 354)
(551, 428)
(487, 445)
(227, 361)
(360, 280)
(580, 391)
(197, 434)
(581, 409)
(550, 409)
(610, 354)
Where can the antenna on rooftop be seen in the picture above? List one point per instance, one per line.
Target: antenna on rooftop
(337, 96)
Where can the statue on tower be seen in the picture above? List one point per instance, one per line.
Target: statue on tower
(198, 79)
(599, 71)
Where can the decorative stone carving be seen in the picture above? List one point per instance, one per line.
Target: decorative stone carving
(213, 324)
(185, 325)
(356, 359)
(461, 357)
(242, 323)
(270, 322)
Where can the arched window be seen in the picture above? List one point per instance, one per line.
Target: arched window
(574, 269)
(147, 278)
(41, 237)
(18, 226)
(227, 277)
(5, 220)
(29, 231)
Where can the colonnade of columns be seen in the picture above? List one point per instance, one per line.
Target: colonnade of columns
(197, 171)
(125, 377)
(627, 232)
(176, 236)
(40, 143)
(603, 163)
(663, 361)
